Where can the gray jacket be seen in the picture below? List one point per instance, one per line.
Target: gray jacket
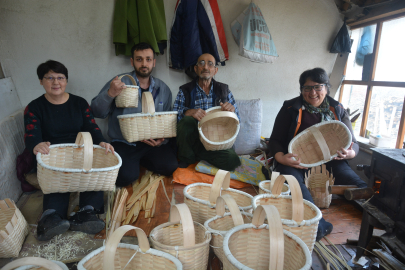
(104, 106)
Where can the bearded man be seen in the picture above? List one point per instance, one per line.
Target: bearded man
(157, 155)
(193, 99)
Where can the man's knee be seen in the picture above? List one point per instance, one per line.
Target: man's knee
(187, 123)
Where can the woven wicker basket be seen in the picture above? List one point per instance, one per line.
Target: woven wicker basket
(219, 225)
(13, 229)
(265, 186)
(181, 237)
(33, 263)
(128, 98)
(115, 255)
(317, 181)
(259, 246)
(319, 143)
(201, 197)
(73, 167)
(298, 215)
(218, 129)
(148, 124)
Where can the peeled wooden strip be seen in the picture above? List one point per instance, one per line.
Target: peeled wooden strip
(233, 208)
(180, 212)
(221, 179)
(85, 139)
(321, 142)
(148, 106)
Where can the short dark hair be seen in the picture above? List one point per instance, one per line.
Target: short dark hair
(140, 47)
(51, 65)
(318, 75)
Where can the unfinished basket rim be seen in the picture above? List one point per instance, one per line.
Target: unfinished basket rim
(151, 251)
(261, 184)
(211, 230)
(290, 222)
(40, 162)
(207, 202)
(234, 261)
(318, 125)
(144, 114)
(33, 266)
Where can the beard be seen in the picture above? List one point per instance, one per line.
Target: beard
(143, 74)
(205, 76)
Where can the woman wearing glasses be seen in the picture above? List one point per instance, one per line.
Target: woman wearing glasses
(311, 107)
(53, 118)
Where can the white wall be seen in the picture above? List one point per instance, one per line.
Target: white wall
(78, 33)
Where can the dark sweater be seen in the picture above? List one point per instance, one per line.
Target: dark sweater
(47, 122)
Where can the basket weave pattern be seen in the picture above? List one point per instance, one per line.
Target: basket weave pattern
(13, 229)
(128, 98)
(317, 181)
(264, 188)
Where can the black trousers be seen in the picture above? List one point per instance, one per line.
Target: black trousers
(60, 201)
(161, 160)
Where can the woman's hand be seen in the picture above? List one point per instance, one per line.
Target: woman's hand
(346, 154)
(42, 148)
(287, 159)
(107, 147)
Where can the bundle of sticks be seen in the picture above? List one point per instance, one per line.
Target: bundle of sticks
(123, 210)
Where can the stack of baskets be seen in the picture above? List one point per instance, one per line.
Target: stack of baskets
(201, 197)
(181, 237)
(317, 181)
(13, 229)
(33, 263)
(128, 98)
(258, 246)
(319, 143)
(76, 167)
(218, 129)
(266, 186)
(115, 255)
(299, 216)
(148, 124)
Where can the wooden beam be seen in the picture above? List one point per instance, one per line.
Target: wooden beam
(376, 19)
(401, 130)
(366, 111)
(375, 83)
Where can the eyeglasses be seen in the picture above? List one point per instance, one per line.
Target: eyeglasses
(51, 79)
(202, 64)
(318, 87)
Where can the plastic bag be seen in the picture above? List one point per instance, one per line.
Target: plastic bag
(342, 42)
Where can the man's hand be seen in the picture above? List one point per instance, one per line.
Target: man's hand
(42, 148)
(346, 153)
(107, 147)
(287, 159)
(116, 87)
(227, 107)
(154, 143)
(196, 113)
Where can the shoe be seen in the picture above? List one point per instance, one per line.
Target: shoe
(86, 221)
(51, 225)
(324, 228)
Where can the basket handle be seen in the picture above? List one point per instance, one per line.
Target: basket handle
(217, 115)
(85, 139)
(181, 212)
(276, 233)
(274, 176)
(296, 195)
(148, 106)
(222, 178)
(233, 208)
(37, 261)
(114, 240)
(321, 142)
(129, 76)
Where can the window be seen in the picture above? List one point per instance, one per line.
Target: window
(374, 82)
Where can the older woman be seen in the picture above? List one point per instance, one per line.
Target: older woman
(313, 106)
(57, 117)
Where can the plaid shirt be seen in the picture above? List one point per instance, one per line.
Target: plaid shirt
(202, 101)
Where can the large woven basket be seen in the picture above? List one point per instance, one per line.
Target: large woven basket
(298, 216)
(218, 129)
(260, 246)
(115, 255)
(181, 237)
(219, 225)
(33, 263)
(128, 98)
(319, 143)
(81, 166)
(13, 229)
(265, 186)
(317, 181)
(148, 124)
(201, 197)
